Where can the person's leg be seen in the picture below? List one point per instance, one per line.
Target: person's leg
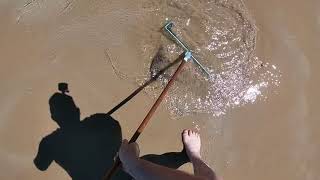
(145, 170)
(192, 144)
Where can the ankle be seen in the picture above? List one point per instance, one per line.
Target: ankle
(195, 158)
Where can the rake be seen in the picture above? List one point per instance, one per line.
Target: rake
(184, 57)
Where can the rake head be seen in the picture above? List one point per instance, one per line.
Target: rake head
(168, 29)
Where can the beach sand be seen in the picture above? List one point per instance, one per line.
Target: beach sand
(43, 43)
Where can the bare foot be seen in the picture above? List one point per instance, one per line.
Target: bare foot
(192, 143)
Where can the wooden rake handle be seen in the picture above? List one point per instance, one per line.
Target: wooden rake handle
(145, 121)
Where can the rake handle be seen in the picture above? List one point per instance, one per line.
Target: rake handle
(145, 121)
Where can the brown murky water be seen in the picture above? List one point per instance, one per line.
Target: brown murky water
(273, 136)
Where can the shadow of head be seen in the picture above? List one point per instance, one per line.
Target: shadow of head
(63, 110)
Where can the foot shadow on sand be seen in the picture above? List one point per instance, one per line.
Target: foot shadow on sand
(86, 148)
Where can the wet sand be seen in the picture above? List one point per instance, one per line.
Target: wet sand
(44, 43)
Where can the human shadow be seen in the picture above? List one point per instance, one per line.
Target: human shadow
(86, 148)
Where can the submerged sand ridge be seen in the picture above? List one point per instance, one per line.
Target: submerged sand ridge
(44, 43)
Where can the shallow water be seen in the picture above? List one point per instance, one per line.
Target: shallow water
(266, 127)
(223, 35)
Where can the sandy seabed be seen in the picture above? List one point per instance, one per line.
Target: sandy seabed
(43, 43)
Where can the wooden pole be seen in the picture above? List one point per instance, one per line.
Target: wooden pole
(145, 121)
(147, 83)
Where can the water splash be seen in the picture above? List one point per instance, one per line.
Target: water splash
(223, 37)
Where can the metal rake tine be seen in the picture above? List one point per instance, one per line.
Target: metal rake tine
(168, 29)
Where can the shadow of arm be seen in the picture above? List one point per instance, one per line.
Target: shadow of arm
(44, 157)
